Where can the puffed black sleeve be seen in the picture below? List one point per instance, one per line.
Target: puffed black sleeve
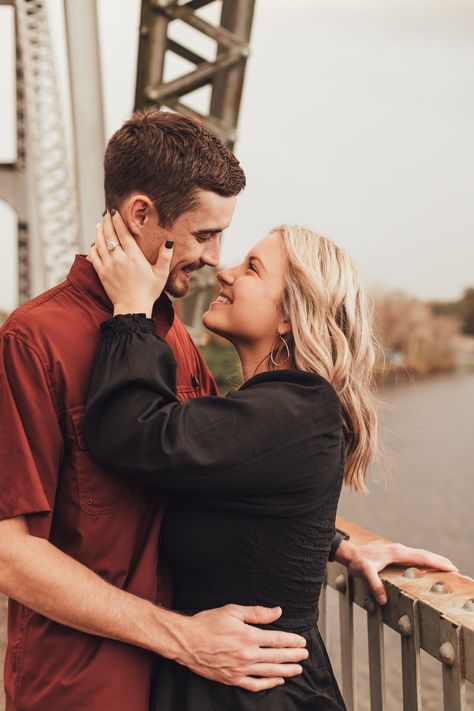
(135, 424)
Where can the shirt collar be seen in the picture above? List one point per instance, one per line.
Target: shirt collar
(84, 277)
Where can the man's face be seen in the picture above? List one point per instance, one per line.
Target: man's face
(196, 235)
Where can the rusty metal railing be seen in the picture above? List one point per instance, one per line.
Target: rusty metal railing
(431, 611)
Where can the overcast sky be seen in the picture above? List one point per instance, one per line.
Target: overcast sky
(357, 121)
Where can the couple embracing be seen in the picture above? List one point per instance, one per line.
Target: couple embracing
(162, 547)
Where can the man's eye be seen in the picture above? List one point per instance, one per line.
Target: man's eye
(206, 236)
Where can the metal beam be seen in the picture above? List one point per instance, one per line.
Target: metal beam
(195, 79)
(87, 109)
(237, 16)
(219, 128)
(151, 52)
(184, 52)
(38, 185)
(225, 73)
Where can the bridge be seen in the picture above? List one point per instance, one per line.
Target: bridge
(56, 192)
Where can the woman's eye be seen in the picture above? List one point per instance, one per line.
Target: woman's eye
(252, 266)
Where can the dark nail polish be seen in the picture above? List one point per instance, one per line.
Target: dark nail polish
(104, 212)
(169, 243)
(113, 211)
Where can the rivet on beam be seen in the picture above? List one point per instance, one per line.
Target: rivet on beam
(469, 605)
(340, 583)
(410, 573)
(446, 652)
(440, 588)
(369, 604)
(404, 626)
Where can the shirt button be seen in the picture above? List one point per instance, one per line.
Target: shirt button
(195, 381)
(89, 501)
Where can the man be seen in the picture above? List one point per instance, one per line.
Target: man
(78, 547)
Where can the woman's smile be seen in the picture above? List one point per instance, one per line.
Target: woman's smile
(222, 299)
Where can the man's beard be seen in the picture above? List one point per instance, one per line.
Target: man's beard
(173, 285)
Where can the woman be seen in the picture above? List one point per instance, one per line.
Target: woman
(254, 477)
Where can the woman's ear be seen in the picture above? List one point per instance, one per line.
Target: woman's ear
(284, 327)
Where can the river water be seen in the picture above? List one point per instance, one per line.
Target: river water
(422, 494)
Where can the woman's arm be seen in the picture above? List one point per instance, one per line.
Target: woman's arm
(135, 424)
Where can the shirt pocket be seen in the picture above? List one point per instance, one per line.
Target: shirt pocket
(100, 492)
(186, 392)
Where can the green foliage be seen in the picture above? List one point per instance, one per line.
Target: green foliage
(224, 364)
(462, 309)
(445, 308)
(467, 312)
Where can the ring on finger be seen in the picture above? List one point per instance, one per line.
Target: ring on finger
(112, 245)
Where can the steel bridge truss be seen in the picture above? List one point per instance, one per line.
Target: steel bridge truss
(57, 192)
(225, 74)
(39, 186)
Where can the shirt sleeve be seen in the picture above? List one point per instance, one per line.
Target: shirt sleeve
(31, 443)
(134, 423)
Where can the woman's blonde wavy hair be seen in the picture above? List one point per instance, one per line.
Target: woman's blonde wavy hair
(331, 335)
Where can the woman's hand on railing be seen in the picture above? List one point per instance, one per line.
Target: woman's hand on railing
(366, 560)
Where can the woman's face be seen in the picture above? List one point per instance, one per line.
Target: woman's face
(246, 309)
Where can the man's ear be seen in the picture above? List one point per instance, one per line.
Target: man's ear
(138, 212)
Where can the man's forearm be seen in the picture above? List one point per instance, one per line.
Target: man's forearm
(219, 644)
(40, 576)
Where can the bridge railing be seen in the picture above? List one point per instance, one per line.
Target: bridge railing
(431, 611)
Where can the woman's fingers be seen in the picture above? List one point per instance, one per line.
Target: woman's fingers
(130, 281)
(422, 558)
(95, 259)
(110, 233)
(376, 585)
(162, 265)
(101, 243)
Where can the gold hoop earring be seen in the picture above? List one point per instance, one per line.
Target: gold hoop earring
(287, 351)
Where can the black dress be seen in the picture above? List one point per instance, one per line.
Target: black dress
(254, 480)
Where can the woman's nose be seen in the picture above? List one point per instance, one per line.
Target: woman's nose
(225, 277)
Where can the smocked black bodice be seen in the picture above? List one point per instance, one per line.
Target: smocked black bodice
(254, 480)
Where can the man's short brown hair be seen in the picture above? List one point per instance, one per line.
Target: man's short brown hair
(168, 157)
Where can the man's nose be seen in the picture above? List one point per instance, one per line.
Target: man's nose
(210, 254)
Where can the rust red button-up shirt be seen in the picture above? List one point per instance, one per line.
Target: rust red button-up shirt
(47, 474)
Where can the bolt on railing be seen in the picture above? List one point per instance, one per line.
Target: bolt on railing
(431, 611)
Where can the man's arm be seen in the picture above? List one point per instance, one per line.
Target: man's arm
(218, 644)
(366, 560)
